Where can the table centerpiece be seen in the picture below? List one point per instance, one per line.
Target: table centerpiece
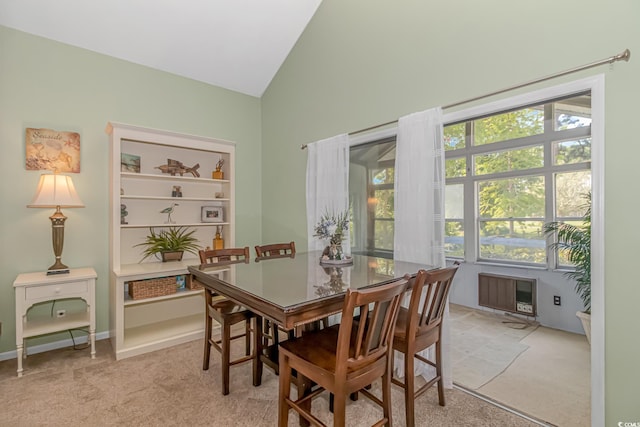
(333, 227)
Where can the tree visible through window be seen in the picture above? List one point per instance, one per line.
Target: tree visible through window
(507, 174)
(519, 169)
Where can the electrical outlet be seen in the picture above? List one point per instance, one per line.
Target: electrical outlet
(61, 313)
(556, 300)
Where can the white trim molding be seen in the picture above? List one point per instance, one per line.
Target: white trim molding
(53, 345)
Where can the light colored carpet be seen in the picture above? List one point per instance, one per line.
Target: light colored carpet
(483, 344)
(539, 371)
(551, 380)
(169, 388)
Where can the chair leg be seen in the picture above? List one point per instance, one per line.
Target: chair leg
(247, 337)
(285, 391)
(257, 351)
(303, 385)
(226, 356)
(409, 388)
(386, 395)
(266, 330)
(207, 340)
(339, 409)
(439, 373)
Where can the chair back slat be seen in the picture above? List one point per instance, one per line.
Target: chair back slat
(275, 250)
(371, 338)
(428, 299)
(214, 257)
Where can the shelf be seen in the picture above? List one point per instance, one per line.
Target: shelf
(196, 199)
(154, 269)
(143, 325)
(48, 325)
(195, 224)
(180, 294)
(158, 269)
(177, 178)
(164, 330)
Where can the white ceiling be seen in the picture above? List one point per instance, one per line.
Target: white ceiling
(234, 44)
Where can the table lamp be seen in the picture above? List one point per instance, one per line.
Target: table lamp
(56, 191)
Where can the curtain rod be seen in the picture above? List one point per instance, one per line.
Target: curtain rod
(624, 56)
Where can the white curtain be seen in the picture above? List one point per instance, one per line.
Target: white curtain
(419, 208)
(327, 184)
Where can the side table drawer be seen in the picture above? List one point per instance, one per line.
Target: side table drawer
(58, 290)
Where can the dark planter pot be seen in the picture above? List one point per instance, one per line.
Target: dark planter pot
(172, 256)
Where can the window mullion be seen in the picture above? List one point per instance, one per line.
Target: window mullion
(471, 231)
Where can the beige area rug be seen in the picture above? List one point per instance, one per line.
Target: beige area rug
(551, 380)
(484, 344)
(169, 388)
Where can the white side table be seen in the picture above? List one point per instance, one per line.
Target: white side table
(33, 288)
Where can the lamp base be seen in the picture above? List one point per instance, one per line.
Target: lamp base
(57, 268)
(57, 230)
(52, 272)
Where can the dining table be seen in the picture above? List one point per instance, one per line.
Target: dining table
(297, 289)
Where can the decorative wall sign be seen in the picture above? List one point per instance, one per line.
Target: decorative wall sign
(53, 150)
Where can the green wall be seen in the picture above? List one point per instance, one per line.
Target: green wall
(362, 62)
(359, 63)
(46, 84)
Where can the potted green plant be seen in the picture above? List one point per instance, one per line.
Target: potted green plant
(170, 243)
(574, 241)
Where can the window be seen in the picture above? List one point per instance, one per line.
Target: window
(371, 179)
(510, 172)
(507, 174)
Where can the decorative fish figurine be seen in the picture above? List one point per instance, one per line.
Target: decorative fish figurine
(175, 167)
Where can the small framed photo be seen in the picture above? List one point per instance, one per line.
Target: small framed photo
(212, 214)
(181, 282)
(129, 163)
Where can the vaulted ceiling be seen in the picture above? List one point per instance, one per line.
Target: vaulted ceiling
(235, 44)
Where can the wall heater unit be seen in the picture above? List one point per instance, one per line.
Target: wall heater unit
(507, 293)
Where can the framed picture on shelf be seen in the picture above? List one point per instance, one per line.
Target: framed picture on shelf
(129, 163)
(212, 214)
(181, 282)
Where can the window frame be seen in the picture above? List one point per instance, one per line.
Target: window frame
(471, 219)
(382, 136)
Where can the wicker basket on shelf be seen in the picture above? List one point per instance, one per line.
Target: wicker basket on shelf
(192, 283)
(151, 288)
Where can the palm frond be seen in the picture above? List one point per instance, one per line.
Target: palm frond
(574, 241)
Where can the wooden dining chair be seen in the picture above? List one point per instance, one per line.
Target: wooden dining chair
(344, 358)
(270, 335)
(419, 327)
(226, 313)
(275, 250)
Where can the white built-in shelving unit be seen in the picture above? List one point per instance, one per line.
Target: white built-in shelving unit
(139, 326)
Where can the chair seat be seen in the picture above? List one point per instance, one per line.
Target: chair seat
(317, 348)
(227, 307)
(424, 338)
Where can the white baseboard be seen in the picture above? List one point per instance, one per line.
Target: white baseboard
(53, 345)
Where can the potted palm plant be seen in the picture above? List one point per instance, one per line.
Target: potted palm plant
(169, 244)
(574, 241)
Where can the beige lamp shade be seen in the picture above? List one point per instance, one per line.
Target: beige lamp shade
(56, 190)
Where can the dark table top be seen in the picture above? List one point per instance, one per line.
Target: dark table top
(278, 288)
